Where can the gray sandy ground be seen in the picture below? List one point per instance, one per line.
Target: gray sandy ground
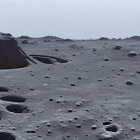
(87, 98)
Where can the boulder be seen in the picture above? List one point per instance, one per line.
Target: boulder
(11, 55)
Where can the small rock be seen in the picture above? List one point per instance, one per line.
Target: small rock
(24, 42)
(79, 78)
(117, 47)
(106, 59)
(72, 84)
(106, 136)
(3, 89)
(122, 69)
(48, 124)
(46, 76)
(129, 82)
(78, 125)
(94, 50)
(132, 54)
(93, 127)
(51, 99)
(134, 118)
(132, 129)
(78, 104)
(56, 50)
(138, 72)
(70, 110)
(49, 131)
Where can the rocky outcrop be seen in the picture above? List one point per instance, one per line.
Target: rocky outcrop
(11, 55)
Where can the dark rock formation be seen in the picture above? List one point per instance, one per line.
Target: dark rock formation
(133, 38)
(24, 37)
(11, 55)
(103, 38)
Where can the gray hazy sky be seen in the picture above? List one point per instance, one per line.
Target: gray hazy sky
(79, 19)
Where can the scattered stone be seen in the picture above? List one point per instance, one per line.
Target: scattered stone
(58, 101)
(75, 118)
(46, 76)
(117, 47)
(48, 124)
(138, 72)
(72, 84)
(3, 89)
(56, 50)
(70, 110)
(106, 59)
(78, 104)
(25, 42)
(94, 50)
(134, 118)
(132, 54)
(51, 99)
(79, 78)
(129, 82)
(132, 129)
(31, 131)
(87, 110)
(32, 89)
(106, 136)
(78, 125)
(49, 132)
(47, 41)
(136, 138)
(73, 54)
(93, 127)
(111, 128)
(122, 69)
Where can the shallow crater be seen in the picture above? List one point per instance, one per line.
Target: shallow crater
(13, 98)
(15, 108)
(48, 59)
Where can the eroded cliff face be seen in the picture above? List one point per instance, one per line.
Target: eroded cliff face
(11, 55)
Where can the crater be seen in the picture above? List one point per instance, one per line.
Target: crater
(48, 59)
(15, 108)
(6, 136)
(13, 98)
